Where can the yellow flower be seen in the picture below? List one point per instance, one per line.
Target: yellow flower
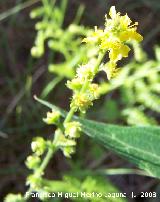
(94, 37)
(130, 34)
(118, 27)
(125, 21)
(121, 27)
(81, 102)
(72, 129)
(117, 32)
(52, 117)
(111, 69)
(112, 13)
(119, 53)
(94, 91)
(110, 43)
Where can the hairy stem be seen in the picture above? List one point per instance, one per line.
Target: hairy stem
(69, 116)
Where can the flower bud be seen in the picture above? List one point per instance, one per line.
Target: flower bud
(38, 145)
(81, 101)
(37, 12)
(33, 162)
(34, 181)
(52, 117)
(14, 198)
(61, 141)
(68, 151)
(86, 72)
(72, 129)
(94, 91)
(75, 84)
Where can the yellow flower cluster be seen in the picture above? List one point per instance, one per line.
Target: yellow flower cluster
(118, 30)
(83, 100)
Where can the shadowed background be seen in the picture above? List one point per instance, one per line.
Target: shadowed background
(22, 76)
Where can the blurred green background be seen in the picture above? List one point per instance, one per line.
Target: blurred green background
(130, 99)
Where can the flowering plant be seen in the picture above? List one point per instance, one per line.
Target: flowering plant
(112, 40)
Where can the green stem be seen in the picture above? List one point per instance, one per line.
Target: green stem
(73, 109)
(42, 167)
(45, 3)
(99, 60)
(79, 14)
(17, 8)
(96, 68)
(46, 7)
(47, 158)
(84, 87)
(69, 115)
(63, 11)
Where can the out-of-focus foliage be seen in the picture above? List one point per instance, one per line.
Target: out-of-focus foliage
(139, 88)
(97, 189)
(64, 46)
(65, 43)
(14, 198)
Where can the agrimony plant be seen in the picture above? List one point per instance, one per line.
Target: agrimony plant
(111, 42)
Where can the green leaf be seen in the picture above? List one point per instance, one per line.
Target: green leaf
(139, 145)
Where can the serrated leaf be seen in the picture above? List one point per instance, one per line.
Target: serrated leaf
(139, 145)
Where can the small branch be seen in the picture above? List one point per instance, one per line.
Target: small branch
(17, 8)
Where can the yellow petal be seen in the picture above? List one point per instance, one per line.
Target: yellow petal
(130, 34)
(125, 21)
(124, 50)
(124, 36)
(112, 12)
(136, 36)
(115, 55)
(110, 69)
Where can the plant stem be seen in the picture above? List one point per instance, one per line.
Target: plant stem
(45, 3)
(72, 110)
(69, 115)
(47, 158)
(85, 86)
(17, 8)
(96, 68)
(99, 60)
(63, 11)
(42, 167)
